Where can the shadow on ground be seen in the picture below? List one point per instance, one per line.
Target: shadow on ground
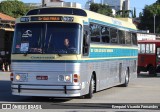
(6, 96)
(146, 75)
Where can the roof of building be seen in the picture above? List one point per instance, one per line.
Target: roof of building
(6, 17)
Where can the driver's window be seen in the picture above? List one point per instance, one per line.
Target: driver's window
(85, 43)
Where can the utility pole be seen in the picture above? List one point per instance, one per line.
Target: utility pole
(43, 3)
(154, 23)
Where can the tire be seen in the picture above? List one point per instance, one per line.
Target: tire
(91, 88)
(125, 84)
(152, 71)
(138, 70)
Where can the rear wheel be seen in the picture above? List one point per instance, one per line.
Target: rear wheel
(91, 88)
(152, 71)
(125, 84)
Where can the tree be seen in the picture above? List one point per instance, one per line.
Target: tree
(158, 2)
(102, 9)
(13, 8)
(140, 14)
(147, 18)
(134, 14)
(123, 13)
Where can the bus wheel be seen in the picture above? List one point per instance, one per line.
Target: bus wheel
(125, 84)
(152, 71)
(91, 88)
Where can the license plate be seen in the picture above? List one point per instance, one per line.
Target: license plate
(42, 77)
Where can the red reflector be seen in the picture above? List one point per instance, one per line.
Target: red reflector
(75, 80)
(75, 76)
(11, 76)
(42, 77)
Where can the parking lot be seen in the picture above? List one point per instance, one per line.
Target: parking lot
(144, 89)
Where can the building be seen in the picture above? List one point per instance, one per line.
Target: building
(117, 4)
(6, 21)
(59, 3)
(33, 4)
(48, 1)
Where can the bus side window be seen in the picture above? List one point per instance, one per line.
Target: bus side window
(95, 33)
(121, 37)
(128, 38)
(134, 39)
(86, 41)
(142, 50)
(105, 34)
(114, 35)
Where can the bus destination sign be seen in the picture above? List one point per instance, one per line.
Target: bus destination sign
(47, 18)
(52, 18)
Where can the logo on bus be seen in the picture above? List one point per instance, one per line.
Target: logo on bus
(27, 33)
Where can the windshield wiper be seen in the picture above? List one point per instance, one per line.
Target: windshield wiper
(59, 55)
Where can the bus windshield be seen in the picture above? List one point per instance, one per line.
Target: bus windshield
(47, 38)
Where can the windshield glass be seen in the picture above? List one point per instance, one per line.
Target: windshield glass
(47, 38)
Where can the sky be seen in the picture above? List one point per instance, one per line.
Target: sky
(138, 4)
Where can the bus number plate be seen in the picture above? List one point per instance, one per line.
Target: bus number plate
(42, 77)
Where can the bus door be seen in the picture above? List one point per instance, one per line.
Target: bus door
(158, 59)
(86, 40)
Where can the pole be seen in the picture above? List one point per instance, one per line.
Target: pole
(102, 2)
(154, 23)
(43, 3)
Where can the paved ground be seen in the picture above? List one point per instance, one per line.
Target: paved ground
(142, 90)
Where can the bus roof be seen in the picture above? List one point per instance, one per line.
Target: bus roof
(113, 22)
(148, 41)
(92, 16)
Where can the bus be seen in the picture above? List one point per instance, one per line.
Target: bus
(149, 56)
(71, 52)
(6, 37)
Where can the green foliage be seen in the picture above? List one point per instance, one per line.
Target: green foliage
(140, 14)
(102, 9)
(158, 1)
(123, 13)
(134, 15)
(13, 8)
(147, 19)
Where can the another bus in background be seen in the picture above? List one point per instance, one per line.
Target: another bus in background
(149, 56)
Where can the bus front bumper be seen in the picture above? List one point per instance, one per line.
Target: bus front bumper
(47, 90)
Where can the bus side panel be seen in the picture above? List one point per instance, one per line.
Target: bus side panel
(146, 60)
(108, 72)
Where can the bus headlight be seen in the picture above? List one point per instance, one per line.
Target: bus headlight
(65, 78)
(18, 77)
(21, 77)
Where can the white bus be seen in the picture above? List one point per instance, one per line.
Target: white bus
(71, 52)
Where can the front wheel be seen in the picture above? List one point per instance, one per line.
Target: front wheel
(91, 88)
